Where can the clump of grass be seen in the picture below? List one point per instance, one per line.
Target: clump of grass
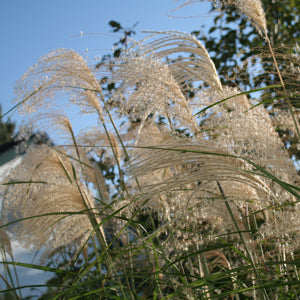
(193, 197)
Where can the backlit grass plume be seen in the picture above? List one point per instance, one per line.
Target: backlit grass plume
(252, 9)
(247, 132)
(188, 59)
(58, 72)
(150, 86)
(44, 184)
(147, 87)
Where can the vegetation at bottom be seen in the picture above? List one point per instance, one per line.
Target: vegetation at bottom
(187, 186)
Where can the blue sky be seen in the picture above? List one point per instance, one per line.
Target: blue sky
(32, 28)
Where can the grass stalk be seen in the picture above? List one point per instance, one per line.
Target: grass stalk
(264, 294)
(290, 106)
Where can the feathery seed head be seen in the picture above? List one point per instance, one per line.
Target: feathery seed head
(250, 134)
(61, 70)
(192, 62)
(253, 9)
(148, 87)
(191, 162)
(51, 188)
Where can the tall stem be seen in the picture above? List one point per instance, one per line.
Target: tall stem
(290, 106)
(264, 294)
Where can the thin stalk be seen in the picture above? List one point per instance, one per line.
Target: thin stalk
(290, 106)
(102, 241)
(157, 274)
(204, 269)
(91, 214)
(184, 277)
(117, 133)
(10, 287)
(7, 270)
(97, 257)
(123, 186)
(17, 277)
(114, 126)
(296, 273)
(129, 255)
(249, 256)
